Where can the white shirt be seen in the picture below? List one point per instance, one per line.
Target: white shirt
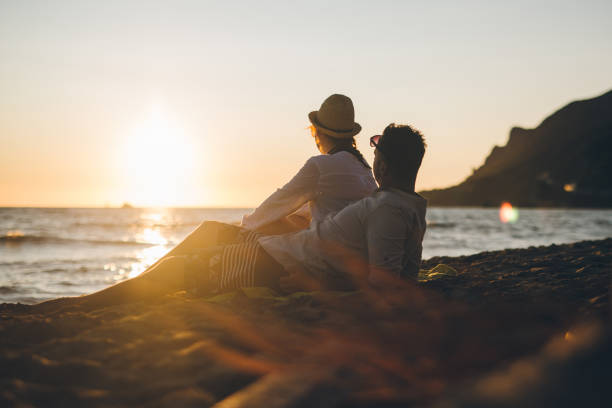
(327, 182)
(384, 231)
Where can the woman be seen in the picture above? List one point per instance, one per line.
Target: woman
(325, 184)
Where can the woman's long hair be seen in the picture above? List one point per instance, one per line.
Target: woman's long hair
(342, 145)
(350, 146)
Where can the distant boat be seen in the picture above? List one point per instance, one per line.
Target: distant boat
(127, 205)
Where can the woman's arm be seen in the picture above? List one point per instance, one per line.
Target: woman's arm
(284, 201)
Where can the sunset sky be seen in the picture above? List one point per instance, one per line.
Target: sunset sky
(194, 103)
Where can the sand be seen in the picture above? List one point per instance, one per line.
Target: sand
(528, 327)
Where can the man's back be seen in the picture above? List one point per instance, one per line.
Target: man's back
(383, 231)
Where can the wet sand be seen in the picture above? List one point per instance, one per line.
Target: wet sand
(520, 327)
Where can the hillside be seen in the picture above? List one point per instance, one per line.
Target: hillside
(564, 162)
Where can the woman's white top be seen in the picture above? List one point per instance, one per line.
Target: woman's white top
(327, 182)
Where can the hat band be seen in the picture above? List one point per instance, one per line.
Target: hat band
(323, 125)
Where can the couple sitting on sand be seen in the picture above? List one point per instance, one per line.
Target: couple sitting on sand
(331, 226)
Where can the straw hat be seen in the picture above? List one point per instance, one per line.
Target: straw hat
(336, 117)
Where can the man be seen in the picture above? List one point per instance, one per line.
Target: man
(375, 241)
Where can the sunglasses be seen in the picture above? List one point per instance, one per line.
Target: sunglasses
(374, 140)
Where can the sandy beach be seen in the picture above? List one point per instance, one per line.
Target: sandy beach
(519, 327)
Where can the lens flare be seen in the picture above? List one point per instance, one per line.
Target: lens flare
(508, 214)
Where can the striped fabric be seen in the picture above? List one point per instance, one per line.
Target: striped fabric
(238, 265)
(232, 262)
(248, 236)
(243, 263)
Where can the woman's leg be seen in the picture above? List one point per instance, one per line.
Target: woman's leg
(207, 234)
(241, 265)
(167, 277)
(212, 233)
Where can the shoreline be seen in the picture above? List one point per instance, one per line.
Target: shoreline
(503, 308)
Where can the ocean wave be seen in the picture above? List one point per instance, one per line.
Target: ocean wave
(8, 290)
(441, 225)
(54, 270)
(12, 238)
(135, 224)
(75, 266)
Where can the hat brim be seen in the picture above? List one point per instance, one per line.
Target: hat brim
(312, 116)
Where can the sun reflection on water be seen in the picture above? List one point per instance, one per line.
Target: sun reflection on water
(148, 256)
(153, 216)
(151, 235)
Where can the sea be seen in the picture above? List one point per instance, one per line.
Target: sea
(47, 253)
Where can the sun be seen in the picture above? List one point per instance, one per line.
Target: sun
(157, 159)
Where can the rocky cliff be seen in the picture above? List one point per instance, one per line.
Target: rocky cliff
(564, 162)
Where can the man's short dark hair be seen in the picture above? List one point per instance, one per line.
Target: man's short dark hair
(403, 148)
